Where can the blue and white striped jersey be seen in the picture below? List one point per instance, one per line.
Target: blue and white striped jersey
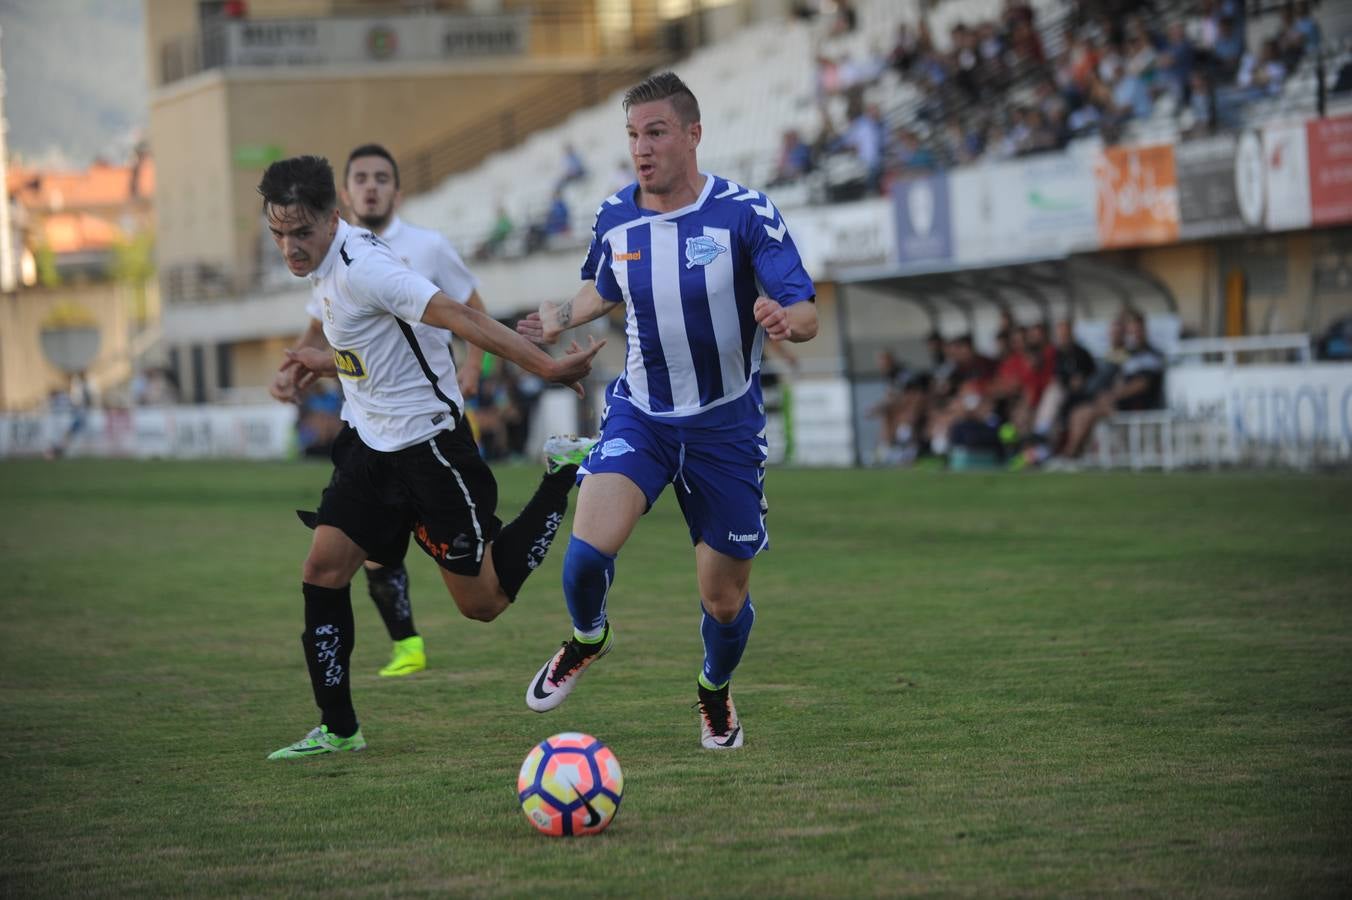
(689, 281)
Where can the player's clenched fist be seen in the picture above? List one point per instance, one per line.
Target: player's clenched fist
(772, 317)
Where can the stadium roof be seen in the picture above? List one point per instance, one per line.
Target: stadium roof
(1075, 284)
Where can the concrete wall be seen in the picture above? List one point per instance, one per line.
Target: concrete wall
(27, 378)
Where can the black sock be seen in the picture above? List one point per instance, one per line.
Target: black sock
(389, 590)
(328, 640)
(522, 543)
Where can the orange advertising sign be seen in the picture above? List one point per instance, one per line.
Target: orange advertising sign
(1137, 195)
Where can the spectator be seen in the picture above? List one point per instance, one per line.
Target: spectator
(959, 146)
(554, 223)
(1263, 74)
(1072, 373)
(1343, 81)
(75, 406)
(1137, 385)
(1176, 62)
(497, 236)
(828, 78)
(910, 157)
(795, 159)
(1203, 29)
(1201, 104)
(1307, 27)
(864, 137)
(318, 418)
(960, 390)
(573, 168)
(1229, 49)
(861, 72)
(906, 51)
(845, 20)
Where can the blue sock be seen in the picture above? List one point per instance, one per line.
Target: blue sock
(587, 575)
(723, 644)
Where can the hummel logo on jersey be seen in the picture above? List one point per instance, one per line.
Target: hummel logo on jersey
(349, 364)
(629, 257)
(615, 447)
(743, 538)
(702, 250)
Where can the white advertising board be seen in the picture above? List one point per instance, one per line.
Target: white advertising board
(823, 432)
(1044, 206)
(171, 432)
(1294, 406)
(851, 234)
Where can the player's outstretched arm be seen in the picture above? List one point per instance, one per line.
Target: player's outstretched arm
(795, 323)
(308, 359)
(467, 376)
(553, 319)
(487, 333)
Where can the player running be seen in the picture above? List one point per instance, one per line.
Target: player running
(406, 459)
(707, 270)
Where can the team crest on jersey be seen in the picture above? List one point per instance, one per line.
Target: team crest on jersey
(349, 364)
(702, 250)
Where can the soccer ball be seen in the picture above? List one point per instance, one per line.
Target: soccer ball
(570, 784)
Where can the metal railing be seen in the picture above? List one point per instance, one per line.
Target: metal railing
(1229, 350)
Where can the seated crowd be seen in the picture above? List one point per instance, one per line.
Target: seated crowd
(1037, 400)
(995, 93)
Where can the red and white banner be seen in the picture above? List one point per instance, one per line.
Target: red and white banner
(1330, 150)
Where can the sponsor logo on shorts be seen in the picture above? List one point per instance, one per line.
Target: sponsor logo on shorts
(615, 447)
(443, 550)
(743, 538)
(349, 364)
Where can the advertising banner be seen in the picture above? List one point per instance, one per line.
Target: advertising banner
(924, 223)
(1330, 148)
(1137, 196)
(1038, 207)
(845, 235)
(1307, 406)
(346, 40)
(266, 431)
(1209, 186)
(1286, 177)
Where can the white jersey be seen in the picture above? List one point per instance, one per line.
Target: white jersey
(428, 253)
(398, 379)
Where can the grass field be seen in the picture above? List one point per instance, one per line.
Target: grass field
(958, 685)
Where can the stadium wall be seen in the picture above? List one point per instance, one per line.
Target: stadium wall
(233, 125)
(27, 376)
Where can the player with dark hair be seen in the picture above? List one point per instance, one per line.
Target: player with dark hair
(371, 192)
(406, 459)
(707, 271)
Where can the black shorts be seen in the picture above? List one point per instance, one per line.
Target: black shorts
(440, 491)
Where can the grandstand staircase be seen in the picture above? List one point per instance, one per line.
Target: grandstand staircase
(426, 167)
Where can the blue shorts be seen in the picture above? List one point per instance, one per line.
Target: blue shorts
(719, 477)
